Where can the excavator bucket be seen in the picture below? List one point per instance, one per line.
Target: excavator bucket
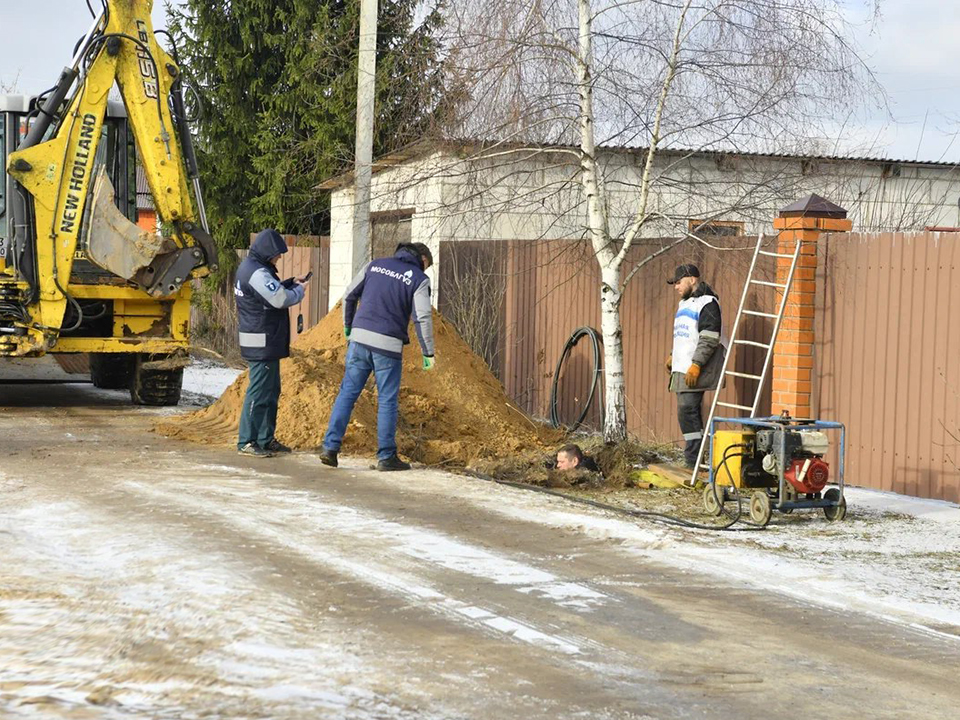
(116, 244)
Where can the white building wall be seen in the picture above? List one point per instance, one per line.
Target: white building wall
(341, 242)
(410, 186)
(537, 195)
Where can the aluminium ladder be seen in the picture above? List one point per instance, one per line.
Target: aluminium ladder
(734, 341)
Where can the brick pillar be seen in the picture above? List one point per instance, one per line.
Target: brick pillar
(804, 220)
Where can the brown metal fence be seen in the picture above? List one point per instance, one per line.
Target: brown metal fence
(887, 345)
(215, 327)
(552, 288)
(886, 352)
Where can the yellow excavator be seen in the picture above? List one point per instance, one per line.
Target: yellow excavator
(77, 275)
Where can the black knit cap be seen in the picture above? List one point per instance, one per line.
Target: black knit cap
(422, 249)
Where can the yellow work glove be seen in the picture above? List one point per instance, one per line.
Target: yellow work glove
(428, 362)
(693, 374)
(669, 364)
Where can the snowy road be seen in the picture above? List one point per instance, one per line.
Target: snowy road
(146, 578)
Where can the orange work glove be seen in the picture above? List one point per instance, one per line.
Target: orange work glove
(669, 364)
(693, 374)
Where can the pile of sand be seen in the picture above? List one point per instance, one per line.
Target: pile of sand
(451, 416)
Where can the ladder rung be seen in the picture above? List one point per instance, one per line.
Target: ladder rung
(751, 342)
(737, 407)
(757, 313)
(773, 254)
(768, 284)
(744, 375)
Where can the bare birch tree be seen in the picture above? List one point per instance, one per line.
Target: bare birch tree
(565, 79)
(9, 87)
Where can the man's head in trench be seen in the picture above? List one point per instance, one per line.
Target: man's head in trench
(569, 457)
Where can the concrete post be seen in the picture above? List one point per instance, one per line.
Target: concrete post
(366, 86)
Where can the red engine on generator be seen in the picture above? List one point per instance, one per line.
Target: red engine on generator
(799, 453)
(807, 475)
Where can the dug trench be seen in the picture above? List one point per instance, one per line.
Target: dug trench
(454, 417)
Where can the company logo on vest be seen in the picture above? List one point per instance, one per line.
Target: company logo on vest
(406, 278)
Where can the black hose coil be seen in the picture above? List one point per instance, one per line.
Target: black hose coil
(575, 338)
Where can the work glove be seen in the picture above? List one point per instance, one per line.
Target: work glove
(429, 362)
(693, 375)
(346, 332)
(669, 364)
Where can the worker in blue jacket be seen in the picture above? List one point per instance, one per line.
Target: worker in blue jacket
(264, 323)
(377, 307)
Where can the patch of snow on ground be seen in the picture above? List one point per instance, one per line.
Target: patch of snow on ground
(208, 378)
(132, 623)
(894, 556)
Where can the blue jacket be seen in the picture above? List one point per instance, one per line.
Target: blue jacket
(387, 291)
(263, 299)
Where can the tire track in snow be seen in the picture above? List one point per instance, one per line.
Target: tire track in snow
(254, 515)
(423, 544)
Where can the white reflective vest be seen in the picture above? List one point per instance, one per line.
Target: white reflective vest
(686, 333)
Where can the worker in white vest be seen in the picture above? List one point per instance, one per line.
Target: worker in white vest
(698, 353)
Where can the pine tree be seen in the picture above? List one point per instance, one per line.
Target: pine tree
(277, 84)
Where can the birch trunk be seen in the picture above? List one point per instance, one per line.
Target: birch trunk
(615, 412)
(615, 407)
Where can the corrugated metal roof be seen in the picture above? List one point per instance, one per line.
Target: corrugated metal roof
(422, 147)
(786, 156)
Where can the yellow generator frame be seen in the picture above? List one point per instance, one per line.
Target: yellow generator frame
(722, 441)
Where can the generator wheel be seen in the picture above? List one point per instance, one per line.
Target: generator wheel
(155, 387)
(111, 371)
(835, 513)
(710, 501)
(760, 511)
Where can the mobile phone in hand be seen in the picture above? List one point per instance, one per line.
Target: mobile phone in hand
(306, 278)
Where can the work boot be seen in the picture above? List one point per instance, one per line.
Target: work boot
(275, 446)
(254, 450)
(328, 457)
(391, 464)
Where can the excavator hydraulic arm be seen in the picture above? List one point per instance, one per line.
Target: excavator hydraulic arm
(54, 164)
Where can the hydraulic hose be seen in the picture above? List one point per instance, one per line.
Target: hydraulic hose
(575, 338)
(656, 516)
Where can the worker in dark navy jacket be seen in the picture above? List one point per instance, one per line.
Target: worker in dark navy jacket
(388, 290)
(264, 322)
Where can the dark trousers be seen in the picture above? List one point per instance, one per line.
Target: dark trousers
(258, 420)
(689, 413)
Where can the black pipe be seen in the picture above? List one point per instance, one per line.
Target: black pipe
(575, 338)
(659, 517)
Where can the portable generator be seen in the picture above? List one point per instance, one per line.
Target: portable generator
(781, 460)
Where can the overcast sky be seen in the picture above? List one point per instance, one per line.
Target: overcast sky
(912, 47)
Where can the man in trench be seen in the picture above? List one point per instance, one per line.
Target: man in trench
(571, 457)
(698, 353)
